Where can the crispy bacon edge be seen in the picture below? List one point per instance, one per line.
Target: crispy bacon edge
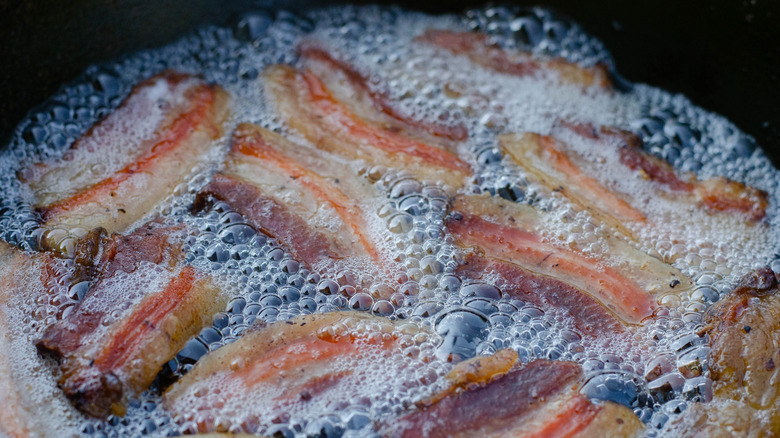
(743, 355)
(174, 153)
(156, 330)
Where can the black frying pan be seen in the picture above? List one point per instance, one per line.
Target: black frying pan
(724, 55)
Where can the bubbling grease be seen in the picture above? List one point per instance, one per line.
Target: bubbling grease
(646, 370)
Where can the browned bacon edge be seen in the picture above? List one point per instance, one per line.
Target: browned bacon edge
(480, 50)
(314, 50)
(124, 197)
(741, 328)
(309, 107)
(743, 364)
(716, 194)
(99, 375)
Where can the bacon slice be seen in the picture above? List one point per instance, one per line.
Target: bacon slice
(134, 158)
(314, 51)
(274, 184)
(743, 363)
(538, 399)
(480, 50)
(285, 369)
(308, 103)
(590, 317)
(571, 169)
(513, 233)
(548, 161)
(136, 317)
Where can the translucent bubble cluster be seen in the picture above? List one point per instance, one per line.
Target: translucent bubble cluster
(657, 370)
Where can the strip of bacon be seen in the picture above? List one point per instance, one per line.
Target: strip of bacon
(548, 161)
(284, 368)
(480, 50)
(538, 399)
(7, 256)
(513, 235)
(744, 363)
(14, 421)
(136, 317)
(140, 166)
(716, 194)
(742, 329)
(310, 107)
(272, 182)
(312, 50)
(589, 316)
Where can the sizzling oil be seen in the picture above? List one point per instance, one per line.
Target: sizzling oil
(460, 318)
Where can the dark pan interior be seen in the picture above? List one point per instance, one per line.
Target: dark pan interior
(724, 55)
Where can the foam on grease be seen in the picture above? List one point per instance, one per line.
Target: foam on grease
(647, 370)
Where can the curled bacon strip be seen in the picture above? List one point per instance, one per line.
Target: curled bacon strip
(478, 48)
(744, 354)
(184, 117)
